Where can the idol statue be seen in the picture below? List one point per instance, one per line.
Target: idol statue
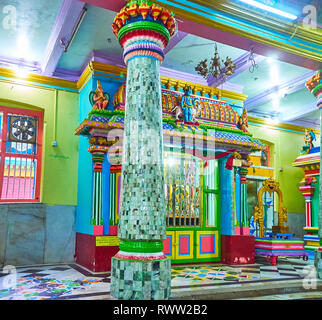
(196, 110)
(243, 121)
(308, 140)
(99, 99)
(187, 105)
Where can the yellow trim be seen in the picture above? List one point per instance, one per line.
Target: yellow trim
(37, 79)
(313, 243)
(85, 76)
(280, 125)
(110, 241)
(253, 35)
(203, 256)
(173, 249)
(95, 66)
(183, 233)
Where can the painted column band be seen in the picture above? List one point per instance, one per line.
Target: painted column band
(141, 246)
(146, 25)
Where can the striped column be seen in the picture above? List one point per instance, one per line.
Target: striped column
(97, 200)
(243, 171)
(308, 192)
(140, 270)
(314, 85)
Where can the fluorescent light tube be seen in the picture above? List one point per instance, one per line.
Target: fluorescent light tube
(270, 9)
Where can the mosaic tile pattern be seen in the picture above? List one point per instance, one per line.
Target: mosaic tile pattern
(221, 274)
(100, 119)
(148, 280)
(71, 282)
(142, 215)
(52, 283)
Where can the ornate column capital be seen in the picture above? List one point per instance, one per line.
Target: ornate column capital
(314, 85)
(143, 28)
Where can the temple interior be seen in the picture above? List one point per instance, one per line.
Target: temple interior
(151, 147)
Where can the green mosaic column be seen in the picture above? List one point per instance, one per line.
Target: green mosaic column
(140, 270)
(315, 87)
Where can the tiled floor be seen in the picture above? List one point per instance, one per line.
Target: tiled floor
(290, 296)
(61, 282)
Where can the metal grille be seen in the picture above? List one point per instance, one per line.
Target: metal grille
(20, 161)
(182, 190)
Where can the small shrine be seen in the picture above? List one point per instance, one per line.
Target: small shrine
(309, 162)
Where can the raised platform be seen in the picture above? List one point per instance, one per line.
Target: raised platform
(95, 252)
(279, 244)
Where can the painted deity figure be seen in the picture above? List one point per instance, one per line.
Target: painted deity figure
(187, 105)
(196, 110)
(99, 99)
(243, 121)
(178, 111)
(308, 140)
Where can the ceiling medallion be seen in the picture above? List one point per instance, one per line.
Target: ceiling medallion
(216, 68)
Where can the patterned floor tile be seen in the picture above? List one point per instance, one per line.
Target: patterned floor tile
(72, 282)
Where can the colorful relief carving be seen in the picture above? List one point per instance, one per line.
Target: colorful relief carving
(243, 121)
(99, 99)
(188, 106)
(137, 8)
(308, 140)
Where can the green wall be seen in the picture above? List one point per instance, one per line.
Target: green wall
(59, 164)
(285, 149)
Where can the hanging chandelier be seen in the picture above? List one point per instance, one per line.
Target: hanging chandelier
(216, 68)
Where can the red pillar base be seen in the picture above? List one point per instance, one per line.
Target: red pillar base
(92, 254)
(238, 249)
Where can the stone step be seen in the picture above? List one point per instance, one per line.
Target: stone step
(240, 291)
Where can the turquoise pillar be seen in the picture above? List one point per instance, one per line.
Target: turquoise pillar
(140, 270)
(243, 197)
(227, 199)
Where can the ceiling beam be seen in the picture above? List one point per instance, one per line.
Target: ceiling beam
(304, 111)
(207, 22)
(287, 88)
(242, 63)
(175, 40)
(64, 29)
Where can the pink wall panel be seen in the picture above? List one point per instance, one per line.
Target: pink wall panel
(207, 244)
